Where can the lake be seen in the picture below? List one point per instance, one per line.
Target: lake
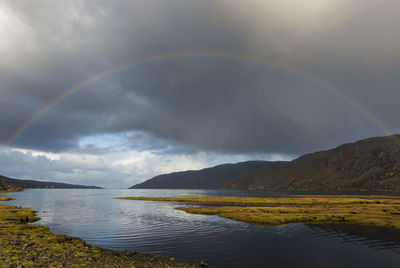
(157, 228)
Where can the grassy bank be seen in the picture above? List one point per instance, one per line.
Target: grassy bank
(27, 245)
(6, 198)
(365, 210)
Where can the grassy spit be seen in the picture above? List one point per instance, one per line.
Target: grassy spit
(365, 210)
(27, 245)
(6, 198)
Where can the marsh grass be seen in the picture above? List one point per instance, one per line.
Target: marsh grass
(6, 198)
(364, 210)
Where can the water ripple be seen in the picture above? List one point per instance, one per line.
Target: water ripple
(157, 228)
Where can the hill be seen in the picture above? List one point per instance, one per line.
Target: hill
(6, 187)
(9, 184)
(202, 179)
(368, 165)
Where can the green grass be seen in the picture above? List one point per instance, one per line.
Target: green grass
(364, 210)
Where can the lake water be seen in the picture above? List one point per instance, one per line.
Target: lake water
(157, 228)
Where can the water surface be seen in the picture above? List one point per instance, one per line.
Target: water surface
(157, 228)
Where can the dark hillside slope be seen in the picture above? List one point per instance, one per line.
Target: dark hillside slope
(25, 184)
(368, 165)
(5, 186)
(202, 179)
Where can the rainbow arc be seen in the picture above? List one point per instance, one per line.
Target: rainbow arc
(194, 54)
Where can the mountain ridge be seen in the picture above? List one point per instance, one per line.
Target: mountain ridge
(17, 184)
(206, 178)
(371, 164)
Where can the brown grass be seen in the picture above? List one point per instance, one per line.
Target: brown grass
(6, 198)
(365, 210)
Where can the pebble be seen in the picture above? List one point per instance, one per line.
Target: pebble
(203, 263)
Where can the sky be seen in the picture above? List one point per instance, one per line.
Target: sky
(112, 93)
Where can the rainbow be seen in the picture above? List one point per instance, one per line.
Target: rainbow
(188, 54)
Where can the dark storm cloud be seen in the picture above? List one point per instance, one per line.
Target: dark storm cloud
(208, 103)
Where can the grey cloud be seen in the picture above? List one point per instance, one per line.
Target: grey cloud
(142, 141)
(39, 167)
(202, 103)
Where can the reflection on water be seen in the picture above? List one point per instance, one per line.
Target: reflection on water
(156, 228)
(375, 237)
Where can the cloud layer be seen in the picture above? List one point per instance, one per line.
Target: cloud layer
(200, 103)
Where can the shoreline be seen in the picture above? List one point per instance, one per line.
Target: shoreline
(23, 244)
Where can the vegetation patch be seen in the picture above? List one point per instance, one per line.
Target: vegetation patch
(364, 210)
(26, 245)
(6, 198)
